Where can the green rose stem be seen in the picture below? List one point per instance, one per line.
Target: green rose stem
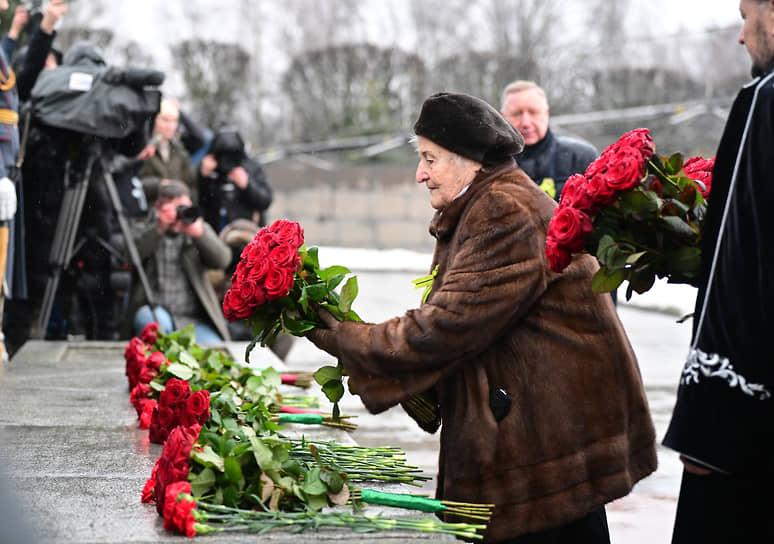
(223, 518)
(422, 503)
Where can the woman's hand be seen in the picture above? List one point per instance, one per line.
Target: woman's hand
(325, 339)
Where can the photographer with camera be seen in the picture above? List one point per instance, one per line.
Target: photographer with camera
(176, 247)
(231, 184)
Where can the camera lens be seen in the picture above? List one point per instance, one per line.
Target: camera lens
(188, 214)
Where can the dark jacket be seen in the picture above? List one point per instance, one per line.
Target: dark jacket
(724, 415)
(222, 201)
(557, 158)
(578, 433)
(197, 256)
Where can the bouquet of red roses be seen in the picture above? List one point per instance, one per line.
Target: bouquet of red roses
(639, 213)
(277, 287)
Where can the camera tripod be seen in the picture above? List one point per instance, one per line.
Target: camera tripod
(65, 243)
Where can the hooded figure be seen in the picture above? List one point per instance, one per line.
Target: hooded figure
(528, 373)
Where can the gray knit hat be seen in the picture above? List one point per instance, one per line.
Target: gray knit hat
(469, 127)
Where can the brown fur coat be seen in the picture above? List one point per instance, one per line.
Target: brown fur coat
(578, 433)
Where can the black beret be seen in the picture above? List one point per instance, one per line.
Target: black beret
(469, 127)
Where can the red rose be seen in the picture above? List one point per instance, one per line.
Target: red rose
(134, 349)
(278, 283)
(138, 395)
(288, 232)
(235, 307)
(599, 190)
(267, 240)
(147, 374)
(626, 169)
(640, 140)
(148, 408)
(700, 170)
(570, 227)
(655, 186)
(257, 267)
(252, 293)
(558, 257)
(176, 392)
(198, 404)
(285, 256)
(147, 491)
(157, 359)
(574, 194)
(149, 334)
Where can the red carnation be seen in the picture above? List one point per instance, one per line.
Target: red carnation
(170, 499)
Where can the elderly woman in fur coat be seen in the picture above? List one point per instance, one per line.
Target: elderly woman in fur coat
(530, 373)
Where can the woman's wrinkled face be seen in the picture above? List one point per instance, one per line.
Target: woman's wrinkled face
(444, 172)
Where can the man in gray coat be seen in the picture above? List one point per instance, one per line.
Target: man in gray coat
(176, 246)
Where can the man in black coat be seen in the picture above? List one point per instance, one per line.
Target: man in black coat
(231, 184)
(723, 421)
(546, 158)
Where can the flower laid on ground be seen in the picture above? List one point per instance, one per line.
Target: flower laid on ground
(278, 286)
(224, 468)
(639, 213)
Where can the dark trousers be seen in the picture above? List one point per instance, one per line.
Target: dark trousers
(591, 529)
(718, 508)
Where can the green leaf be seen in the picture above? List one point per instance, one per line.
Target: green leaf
(203, 482)
(187, 359)
(605, 244)
(603, 283)
(314, 260)
(316, 291)
(296, 327)
(312, 483)
(327, 373)
(348, 294)
(679, 226)
(263, 455)
(334, 390)
(317, 502)
(233, 470)
(674, 164)
(208, 458)
(180, 371)
(641, 280)
(332, 271)
(293, 467)
(332, 480)
(634, 257)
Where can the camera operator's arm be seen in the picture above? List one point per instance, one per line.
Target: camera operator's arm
(251, 180)
(38, 48)
(213, 252)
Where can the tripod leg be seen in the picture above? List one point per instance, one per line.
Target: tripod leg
(134, 255)
(62, 247)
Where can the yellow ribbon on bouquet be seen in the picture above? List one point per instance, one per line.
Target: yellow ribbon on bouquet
(426, 282)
